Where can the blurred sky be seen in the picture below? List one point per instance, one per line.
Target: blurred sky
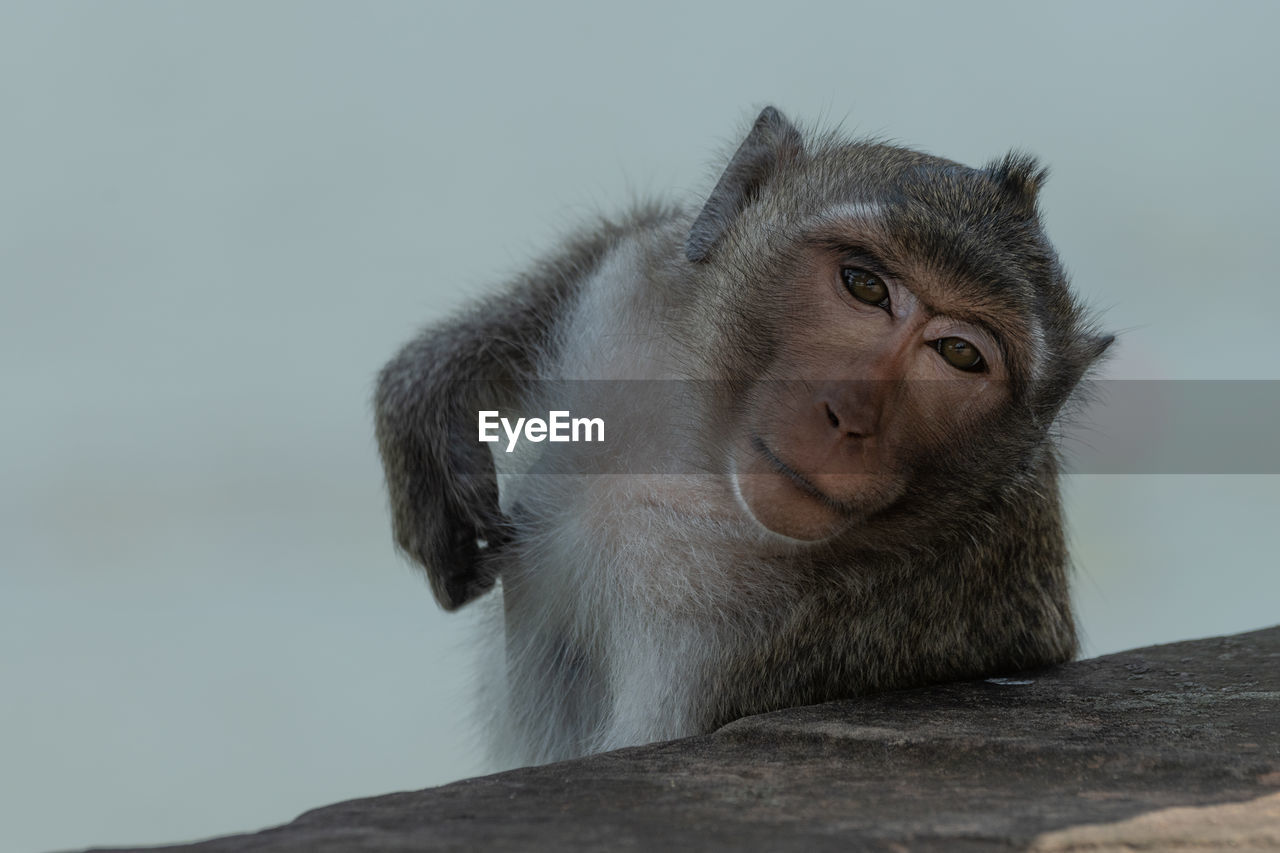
(218, 219)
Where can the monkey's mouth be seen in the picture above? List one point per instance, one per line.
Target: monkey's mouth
(797, 479)
(781, 499)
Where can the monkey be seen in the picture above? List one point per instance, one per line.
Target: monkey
(831, 394)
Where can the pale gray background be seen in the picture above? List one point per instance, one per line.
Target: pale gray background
(218, 219)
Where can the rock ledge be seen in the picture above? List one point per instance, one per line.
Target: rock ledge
(1174, 746)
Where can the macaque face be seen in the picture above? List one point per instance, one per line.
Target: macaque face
(880, 364)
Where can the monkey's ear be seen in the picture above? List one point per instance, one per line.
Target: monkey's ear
(771, 140)
(1090, 348)
(1019, 176)
(1083, 355)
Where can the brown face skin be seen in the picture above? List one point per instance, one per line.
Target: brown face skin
(859, 390)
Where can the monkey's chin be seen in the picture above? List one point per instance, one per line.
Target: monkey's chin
(782, 500)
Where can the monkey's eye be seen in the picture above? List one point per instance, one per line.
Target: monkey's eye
(960, 354)
(865, 286)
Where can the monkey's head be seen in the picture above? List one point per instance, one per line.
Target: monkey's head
(897, 330)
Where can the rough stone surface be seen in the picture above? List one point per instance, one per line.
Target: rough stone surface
(1168, 747)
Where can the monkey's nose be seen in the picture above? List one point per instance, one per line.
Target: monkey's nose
(852, 415)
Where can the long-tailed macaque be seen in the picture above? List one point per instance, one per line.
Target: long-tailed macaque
(826, 463)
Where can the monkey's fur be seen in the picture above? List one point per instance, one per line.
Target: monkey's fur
(638, 606)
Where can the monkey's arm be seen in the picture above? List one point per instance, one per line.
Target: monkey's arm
(441, 479)
(444, 494)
